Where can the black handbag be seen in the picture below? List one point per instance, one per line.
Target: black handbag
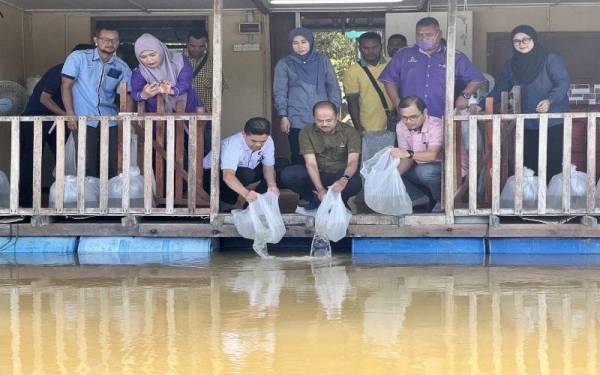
(391, 115)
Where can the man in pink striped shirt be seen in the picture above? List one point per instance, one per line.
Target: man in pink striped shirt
(420, 141)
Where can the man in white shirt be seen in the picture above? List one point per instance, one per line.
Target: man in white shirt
(246, 157)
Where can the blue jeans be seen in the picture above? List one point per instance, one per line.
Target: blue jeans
(424, 179)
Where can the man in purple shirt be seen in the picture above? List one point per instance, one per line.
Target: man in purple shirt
(421, 71)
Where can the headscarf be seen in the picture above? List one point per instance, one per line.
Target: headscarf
(308, 67)
(526, 66)
(171, 63)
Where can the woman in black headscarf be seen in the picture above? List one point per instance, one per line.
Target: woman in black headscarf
(544, 83)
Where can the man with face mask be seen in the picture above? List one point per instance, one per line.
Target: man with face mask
(246, 157)
(421, 71)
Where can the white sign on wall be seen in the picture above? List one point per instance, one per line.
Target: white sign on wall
(404, 23)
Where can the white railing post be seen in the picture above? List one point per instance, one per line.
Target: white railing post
(542, 163)
(566, 164)
(472, 165)
(519, 137)
(591, 162)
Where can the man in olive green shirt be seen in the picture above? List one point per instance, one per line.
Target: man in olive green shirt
(331, 151)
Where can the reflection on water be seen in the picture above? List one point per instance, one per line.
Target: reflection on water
(243, 315)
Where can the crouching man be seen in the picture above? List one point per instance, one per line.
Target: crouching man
(420, 139)
(331, 151)
(246, 157)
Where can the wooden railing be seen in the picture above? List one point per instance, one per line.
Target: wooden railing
(495, 126)
(145, 124)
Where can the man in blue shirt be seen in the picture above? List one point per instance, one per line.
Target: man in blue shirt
(90, 84)
(45, 100)
(421, 71)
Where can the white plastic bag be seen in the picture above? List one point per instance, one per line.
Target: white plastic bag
(70, 156)
(385, 192)
(332, 217)
(530, 190)
(578, 190)
(4, 190)
(91, 192)
(261, 222)
(136, 189)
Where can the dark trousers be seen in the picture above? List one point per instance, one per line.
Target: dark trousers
(296, 178)
(92, 151)
(554, 153)
(246, 176)
(26, 158)
(294, 138)
(207, 137)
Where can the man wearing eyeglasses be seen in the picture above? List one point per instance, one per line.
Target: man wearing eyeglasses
(331, 151)
(420, 140)
(90, 83)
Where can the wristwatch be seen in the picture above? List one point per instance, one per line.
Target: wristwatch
(411, 153)
(346, 177)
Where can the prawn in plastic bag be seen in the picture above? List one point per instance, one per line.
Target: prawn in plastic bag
(530, 190)
(578, 190)
(332, 217)
(385, 192)
(261, 221)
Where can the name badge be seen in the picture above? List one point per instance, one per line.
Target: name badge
(114, 73)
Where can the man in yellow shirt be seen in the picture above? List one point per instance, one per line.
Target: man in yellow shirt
(364, 104)
(366, 95)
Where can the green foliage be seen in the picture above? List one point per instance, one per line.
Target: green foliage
(340, 50)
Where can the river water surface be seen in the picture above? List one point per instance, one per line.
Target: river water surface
(237, 314)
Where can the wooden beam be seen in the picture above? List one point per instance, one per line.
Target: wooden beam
(449, 149)
(262, 6)
(216, 106)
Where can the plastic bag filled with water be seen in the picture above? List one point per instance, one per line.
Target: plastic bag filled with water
(91, 192)
(320, 246)
(530, 191)
(4, 190)
(385, 192)
(261, 222)
(136, 189)
(578, 190)
(332, 217)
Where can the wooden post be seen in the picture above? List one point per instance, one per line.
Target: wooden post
(141, 110)
(126, 163)
(496, 154)
(122, 108)
(519, 138)
(37, 165)
(170, 164)
(104, 156)
(192, 160)
(566, 167)
(203, 197)
(59, 171)
(160, 144)
(472, 165)
(15, 146)
(506, 132)
(81, 156)
(489, 108)
(216, 106)
(179, 149)
(148, 193)
(591, 162)
(449, 149)
(542, 163)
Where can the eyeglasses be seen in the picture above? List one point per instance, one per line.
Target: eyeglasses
(108, 40)
(524, 41)
(326, 122)
(412, 118)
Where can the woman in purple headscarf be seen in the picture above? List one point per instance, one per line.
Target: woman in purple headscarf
(162, 71)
